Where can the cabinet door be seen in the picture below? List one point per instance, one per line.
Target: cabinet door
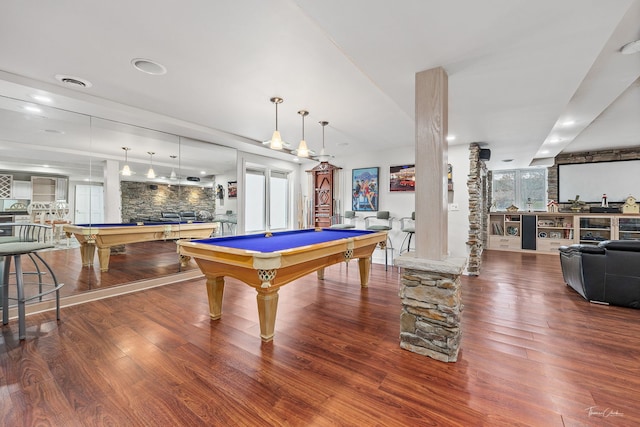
(529, 232)
(5, 186)
(629, 228)
(22, 190)
(594, 230)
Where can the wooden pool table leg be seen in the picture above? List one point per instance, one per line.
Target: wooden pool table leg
(103, 258)
(215, 290)
(364, 265)
(321, 274)
(267, 308)
(87, 251)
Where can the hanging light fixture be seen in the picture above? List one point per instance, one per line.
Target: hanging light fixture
(151, 173)
(126, 170)
(303, 150)
(276, 140)
(173, 171)
(323, 157)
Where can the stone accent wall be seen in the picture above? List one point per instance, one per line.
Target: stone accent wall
(585, 157)
(478, 202)
(140, 200)
(431, 298)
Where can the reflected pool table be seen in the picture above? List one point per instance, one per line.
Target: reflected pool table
(268, 261)
(104, 236)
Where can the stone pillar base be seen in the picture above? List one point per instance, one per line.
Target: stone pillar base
(431, 306)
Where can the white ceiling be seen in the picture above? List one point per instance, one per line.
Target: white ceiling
(517, 70)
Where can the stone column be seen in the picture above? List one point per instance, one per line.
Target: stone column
(431, 307)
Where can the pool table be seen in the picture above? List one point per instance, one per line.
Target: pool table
(268, 261)
(104, 236)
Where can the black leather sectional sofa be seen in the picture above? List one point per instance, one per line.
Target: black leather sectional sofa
(605, 273)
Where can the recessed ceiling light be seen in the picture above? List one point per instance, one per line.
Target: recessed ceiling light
(295, 159)
(544, 152)
(629, 48)
(73, 81)
(42, 98)
(148, 66)
(203, 172)
(568, 123)
(451, 138)
(32, 109)
(555, 140)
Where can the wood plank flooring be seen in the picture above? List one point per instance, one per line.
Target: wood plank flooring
(533, 353)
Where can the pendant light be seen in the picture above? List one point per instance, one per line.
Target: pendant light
(173, 175)
(126, 170)
(323, 157)
(276, 140)
(303, 150)
(151, 173)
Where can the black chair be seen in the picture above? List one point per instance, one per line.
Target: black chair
(188, 216)
(170, 216)
(28, 240)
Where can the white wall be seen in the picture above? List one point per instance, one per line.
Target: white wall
(401, 204)
(226, 204)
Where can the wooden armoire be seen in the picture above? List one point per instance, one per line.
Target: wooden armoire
(323, 206)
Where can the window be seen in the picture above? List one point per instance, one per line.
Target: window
(520, 187)
(264, 197)
(279, 197)
(255, 218)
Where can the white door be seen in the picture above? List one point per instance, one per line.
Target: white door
(89, 204)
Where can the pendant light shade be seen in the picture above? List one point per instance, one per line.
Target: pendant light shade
(126, 170)
(276, 140)
(303, 150)
(323, 157)
(173, 175)
(151, 173)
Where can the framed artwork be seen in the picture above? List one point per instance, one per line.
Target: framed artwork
(402, 178)
(364, 186)
(232, 189)
(449, 177)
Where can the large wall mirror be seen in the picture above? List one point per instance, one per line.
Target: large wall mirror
(67, 170)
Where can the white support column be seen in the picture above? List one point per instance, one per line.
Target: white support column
(112, 199)
(432, 104)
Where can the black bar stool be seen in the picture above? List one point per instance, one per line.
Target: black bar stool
(15, 250)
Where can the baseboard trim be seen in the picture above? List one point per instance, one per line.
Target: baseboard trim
(98, 294)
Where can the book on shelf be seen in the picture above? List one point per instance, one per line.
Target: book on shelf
(498, 229)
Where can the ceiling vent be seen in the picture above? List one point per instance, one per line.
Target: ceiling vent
(73, 81)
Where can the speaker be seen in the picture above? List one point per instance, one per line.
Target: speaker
(153, 187)
(485, 154)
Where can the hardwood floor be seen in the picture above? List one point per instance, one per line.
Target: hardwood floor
(533, 353)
